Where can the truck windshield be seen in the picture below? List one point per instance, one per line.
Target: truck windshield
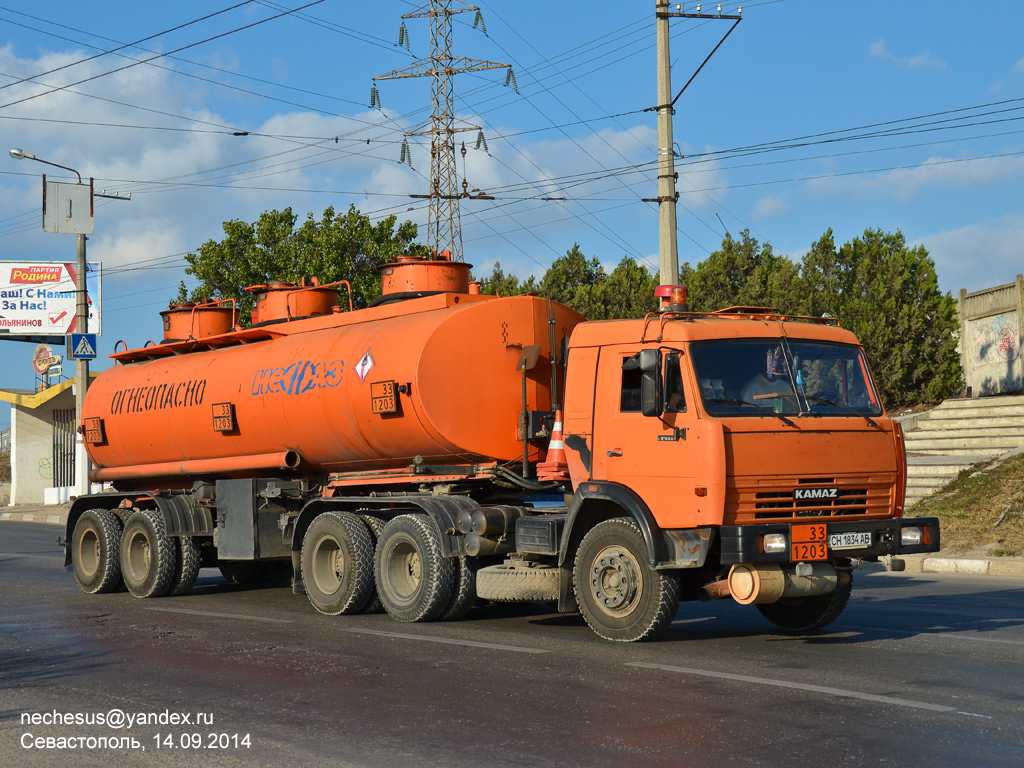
(749, 377)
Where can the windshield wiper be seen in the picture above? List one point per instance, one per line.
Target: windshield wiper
(842, 407)
(765, 409)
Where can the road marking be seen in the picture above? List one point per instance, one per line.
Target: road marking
(910, 633)
(223, 615)
(448, 641)
(800, 687)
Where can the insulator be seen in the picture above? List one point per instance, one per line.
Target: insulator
(482, 142)
(510, 77)
(479, 19)
(403, 36)
(374, 97)
(463, 149)
(405, 152)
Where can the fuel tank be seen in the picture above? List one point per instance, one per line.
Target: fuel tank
(373, 389)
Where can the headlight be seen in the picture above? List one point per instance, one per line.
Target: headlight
(774, 543)
(910, 536)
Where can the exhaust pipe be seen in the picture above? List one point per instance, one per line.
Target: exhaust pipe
(760, 584)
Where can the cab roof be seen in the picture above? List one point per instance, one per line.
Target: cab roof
(732, 323)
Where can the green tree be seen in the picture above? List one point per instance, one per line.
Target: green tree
(909, 328)
(573, 280)
(745, 273)
(501, 284)
(628, 291)
(338, 246)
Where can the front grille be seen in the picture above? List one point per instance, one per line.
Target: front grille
(761, 499)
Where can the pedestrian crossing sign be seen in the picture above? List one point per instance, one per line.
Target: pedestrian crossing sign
(83, 346)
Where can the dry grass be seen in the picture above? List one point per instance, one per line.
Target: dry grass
(982, 510)
(5, 467)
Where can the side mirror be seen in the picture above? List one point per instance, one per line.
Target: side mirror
(650, 360)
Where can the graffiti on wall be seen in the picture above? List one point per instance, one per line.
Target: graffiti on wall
(994, 339)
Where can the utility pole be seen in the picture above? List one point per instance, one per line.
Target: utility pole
(444, 228)
(81, 369)
(668, 246)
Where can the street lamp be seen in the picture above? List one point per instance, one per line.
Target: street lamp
(82, 324)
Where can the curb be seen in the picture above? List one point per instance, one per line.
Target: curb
(986, 566)
(31, 517)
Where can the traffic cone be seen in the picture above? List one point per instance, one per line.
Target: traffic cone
(556, 468)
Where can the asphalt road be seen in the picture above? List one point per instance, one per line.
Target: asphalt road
(919, 670)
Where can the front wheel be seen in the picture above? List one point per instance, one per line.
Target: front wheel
(803, 614)
(621, 597)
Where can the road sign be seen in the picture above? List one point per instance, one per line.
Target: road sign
(83, 346)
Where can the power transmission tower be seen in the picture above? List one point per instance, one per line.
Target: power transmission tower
(444, 229)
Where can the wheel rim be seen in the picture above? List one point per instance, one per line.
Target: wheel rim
(139, 556)
(89, 554)
(404, 570)
(616, 581)
(328, 565)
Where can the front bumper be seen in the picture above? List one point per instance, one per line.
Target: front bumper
(743, 543)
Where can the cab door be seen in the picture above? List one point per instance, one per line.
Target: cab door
(651, 455)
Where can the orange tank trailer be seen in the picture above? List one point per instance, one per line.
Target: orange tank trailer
(447, 362)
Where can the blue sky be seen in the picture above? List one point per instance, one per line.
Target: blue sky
(914, 110)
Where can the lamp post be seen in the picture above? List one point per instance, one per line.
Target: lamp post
(82, 324)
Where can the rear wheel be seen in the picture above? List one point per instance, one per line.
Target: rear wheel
(337, 563)
(189, 561)
(464, 596)
(806, 613)
(96, 551)
(414, 580)
(376, 526)
(148, 556)
(621, 597)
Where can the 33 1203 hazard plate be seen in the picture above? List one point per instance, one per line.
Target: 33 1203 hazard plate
(855, 540)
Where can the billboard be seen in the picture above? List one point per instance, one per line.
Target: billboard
(38, 297)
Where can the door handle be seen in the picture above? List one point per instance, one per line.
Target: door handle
(614, 453)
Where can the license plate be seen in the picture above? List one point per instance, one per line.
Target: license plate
(849, 540)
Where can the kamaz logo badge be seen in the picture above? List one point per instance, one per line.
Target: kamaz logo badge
(800, 494)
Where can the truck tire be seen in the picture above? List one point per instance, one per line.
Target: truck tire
(803, 614)
(376, 526)
(190, 559)
(517, 584)
(465, 590)
(96, 551)
(621, 597)
(148, 556)
(414, 580)
(337, 563)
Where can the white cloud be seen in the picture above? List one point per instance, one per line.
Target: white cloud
(978, 256)
(1019, 66)
(918, 61)
(904, 183)
(769, 207)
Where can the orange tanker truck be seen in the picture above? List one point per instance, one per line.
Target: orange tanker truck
(395, 457)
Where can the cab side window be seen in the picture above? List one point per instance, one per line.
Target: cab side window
(629, 401)
(675, 401)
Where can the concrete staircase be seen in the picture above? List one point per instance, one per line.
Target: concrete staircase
(957, 434)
